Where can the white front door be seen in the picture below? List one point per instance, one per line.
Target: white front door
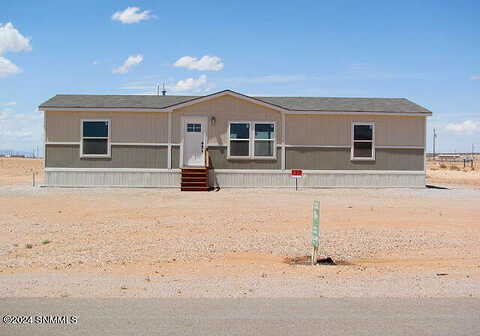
(194, 141)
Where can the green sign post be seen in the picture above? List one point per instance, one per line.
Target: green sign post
(315, 230)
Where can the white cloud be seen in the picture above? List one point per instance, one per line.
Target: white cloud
(7, 68)
(129, 62)
(11, 40)
(475, 77)
(131, 15)
(210, 63)
(191, 84)
(467, 127)
(10, 103)
(20, 131)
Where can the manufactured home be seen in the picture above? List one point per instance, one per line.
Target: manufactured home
(228, 139)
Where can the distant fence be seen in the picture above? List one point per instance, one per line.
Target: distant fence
(453, 157)
(459, 159)
(23, 156)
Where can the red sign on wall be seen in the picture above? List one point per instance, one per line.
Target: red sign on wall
(297, 173)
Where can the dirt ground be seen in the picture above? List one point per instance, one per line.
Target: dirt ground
(20, 170)
(98, 242)
(453, 173)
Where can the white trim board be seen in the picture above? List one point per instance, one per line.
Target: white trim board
(317, 146)
(114, 170)
(164, 144)
(100, 109)
(270, 171)
(400, 147)
(392, 114)
(160, 144)
(162, 110)
(237, 171)
(62, 143)
(107, 186)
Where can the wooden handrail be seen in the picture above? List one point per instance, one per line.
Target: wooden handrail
(207, 158)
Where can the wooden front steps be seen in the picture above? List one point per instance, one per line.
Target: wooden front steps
(195, 179)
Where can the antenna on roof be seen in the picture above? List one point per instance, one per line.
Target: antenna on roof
(164, 91)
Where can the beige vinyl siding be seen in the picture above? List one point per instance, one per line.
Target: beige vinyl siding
(140, 127)
(218, 160)
(225, 109)
(314, 158)
(68, 156)
(336, 130)
(175, 157)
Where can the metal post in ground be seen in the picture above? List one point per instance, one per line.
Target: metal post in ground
(315, 230)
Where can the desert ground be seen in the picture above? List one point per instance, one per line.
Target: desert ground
(454, 173)
(97, 242)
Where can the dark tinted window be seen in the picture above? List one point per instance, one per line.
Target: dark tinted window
(194, 128)
(97, 129)
(239, 148)
(95, 146)
(239, 131)
(363, 132)
(362, 149)
(264, 131)
(264, 148)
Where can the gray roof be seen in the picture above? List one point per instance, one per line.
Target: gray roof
(115, 101)
(400, 105)
(392, 105)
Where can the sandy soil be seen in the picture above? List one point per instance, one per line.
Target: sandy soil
(453, 173)
(232, 243)
(20, 170)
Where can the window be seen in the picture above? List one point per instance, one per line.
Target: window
(95, 138)
(264, 139)
(196, 128)
(363, 138)
(252, 140)
(239, 140)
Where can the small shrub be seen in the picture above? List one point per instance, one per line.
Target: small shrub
(443, 165)
(45, 242)
(29, 246)
(453, 167)
(434, 168)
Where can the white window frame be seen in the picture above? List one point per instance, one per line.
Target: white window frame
(251, 141)
(274, 156)
(109, 144)
(362, 123)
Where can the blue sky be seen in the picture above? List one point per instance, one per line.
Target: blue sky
(426, 51)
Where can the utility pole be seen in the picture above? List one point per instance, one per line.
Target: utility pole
(434, 140)
(473, 157)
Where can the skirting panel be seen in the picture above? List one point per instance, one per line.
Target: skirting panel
(111, 179)
(320, 179)
(239, 179)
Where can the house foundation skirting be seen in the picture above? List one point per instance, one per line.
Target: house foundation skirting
(224, 178)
